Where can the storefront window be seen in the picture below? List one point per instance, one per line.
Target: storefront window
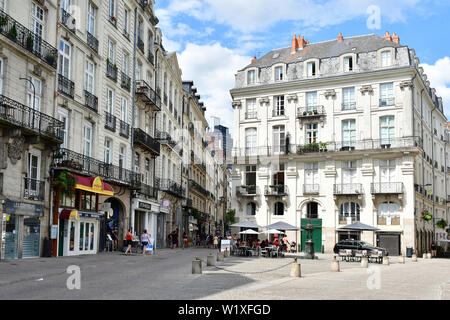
(72, 236)
(31, 237)
(66, 201)
(10, 235)
(88, 201)
(91, 237)
(81, 236)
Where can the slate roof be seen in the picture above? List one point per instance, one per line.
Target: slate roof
(326, 49)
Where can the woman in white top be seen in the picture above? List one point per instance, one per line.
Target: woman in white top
(144, 240)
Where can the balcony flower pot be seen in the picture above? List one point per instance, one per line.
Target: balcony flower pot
(30, 42)
(12, 33)
(426, 215)
(50, 58)
(3, 22)
(304, 113)
(441, 224)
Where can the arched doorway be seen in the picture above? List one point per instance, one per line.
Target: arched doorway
(312, 215)
(113, 223)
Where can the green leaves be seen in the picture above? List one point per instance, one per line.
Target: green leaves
(66, 183)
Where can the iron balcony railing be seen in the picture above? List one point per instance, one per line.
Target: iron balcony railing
(164, 138)
(170, 186)
(311, 188)
(151, 57)
(251, 115)
(310, 111)
(153, 19)
(348, 189)
(27, 39)
(351, 105)
(34, 189)
(387, 188)
(143, 3)
(110, 122)
(66, 86)
(140, 45)
(148, 95)
(126, 82)
(198, 187)
(146, 141)
(68, 20)
(90, 101)
(247, 190)
(124, 130)
(387, 102)
(148, 191)
(17, 114)
(275, 190)
(74, 161)
(111, 70)
(92, 42)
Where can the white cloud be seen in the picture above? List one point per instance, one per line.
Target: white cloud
(439, 76)
(212, 69)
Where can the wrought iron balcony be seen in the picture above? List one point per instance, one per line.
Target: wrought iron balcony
(68, 20)
(111, 70)
(146, 141)
(350, 105)
(73, 161)
(34, 189)
(92, 42)
(124, 129)
(91, 101)
(348, 189)
(148, 95)
(387, 188)
(251, 115)
(275, 190)
(148, 191)
(66, 86)
(110, 122)
(198, 187)
(247, 191)
(387, 102)
(13, 113)
(143, 3)
(165, 138)
(27, 39)
(311, 188)
(140, 45)
(311, 112)
(151, 57)
(171, 187)
(126, 82)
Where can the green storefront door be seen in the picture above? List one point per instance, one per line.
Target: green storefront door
(317, 234)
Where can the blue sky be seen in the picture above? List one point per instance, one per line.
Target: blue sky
(215, 38)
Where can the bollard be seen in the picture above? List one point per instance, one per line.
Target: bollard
(295, 269)
(414, 257)
(197, 266)
(226, 253)
(424, 256)
(429, 255)
(401, 259)
(211, 260)
(219, 256)
(335, 265)
(386, 261)
(364, 262)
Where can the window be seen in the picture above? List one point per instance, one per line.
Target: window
(278, 106)
(35, 91)
(386, 59)
(312, 211)
(251, 209)
(278, 73)
(126, 22)
(90, 77)
(311, 101)
(250, 179)
(388, 213)
(33, 172)
(250, 141)
(3, 5)
(348, 64)
(125, 62)
(387, 131)
(124, 110)
(64, 118)
(251, 109)
(111, 52)
(387, 94)
(278, 209)
(1, 76)
(251, 77)
(349, 212)
(163, 167)
(349, 133)
(147, 171)
(107, 156)
(122, 156)
(109, 101)
(37, 25)
(312, 177)
(387, 170)
(91, 19)
(64, 59)
(279, 139)
(137, 162)
(87, 139)
(311, 69)
(112, 8)
(312, 130)
(348, 99)
(88, 201)
(349, 178)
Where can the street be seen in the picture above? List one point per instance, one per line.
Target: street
(167, 275)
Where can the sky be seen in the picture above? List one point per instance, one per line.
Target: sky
(216, 38)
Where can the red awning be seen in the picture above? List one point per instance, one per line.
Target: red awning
(91, 184)
(69, 214)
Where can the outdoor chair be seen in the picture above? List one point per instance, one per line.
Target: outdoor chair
(342, 255)
(275, 252)
(349, 255)
(264, 252)
(358, 255)
(376, 256)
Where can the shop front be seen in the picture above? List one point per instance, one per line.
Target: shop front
(145, 217)
(162, 224)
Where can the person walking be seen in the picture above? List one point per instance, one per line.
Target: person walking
(216, 242)
(129, 238)
(170, 236)
(185, 240)
(197, 241)
(175, 239)
(433, 249)
(286, 243)
(144, 240)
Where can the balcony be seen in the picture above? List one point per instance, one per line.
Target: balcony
(148, 191)
(111, 70)
(311, 189)
(140, 45)
(247, 191)
(387, 102)
(275, 190)
(68, 20)
(351, 105)
(34, 189)
(387, 188)
(251, 115)
(65, 86)
(198, 187)
(27, 39)
(90, 101)
(165, 138)
(110, 122)
(92, 42)
(151, 57)
(171, 187)
(343, 220)
(147, 142)
(148, 95)
(310, 112)
(126, 82)
(15, 114)
(72, 161)
(388, 221)
(124, 129)
(348, 189)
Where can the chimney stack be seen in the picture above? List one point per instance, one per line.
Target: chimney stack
(254, 59)
(395, 38)
(387, 36)
(340, 37)
(294, 44)
(301, 42)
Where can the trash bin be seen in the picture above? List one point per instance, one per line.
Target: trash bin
(46, 248)
(409, 252)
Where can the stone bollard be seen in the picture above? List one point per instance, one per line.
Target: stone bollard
(424, 256)
(226, 253)
(211, 260)
(295, 269)
(364, 262)
(386, 261)
(429, 255)
(401, 259)
(220, 256)
(414, 257)
(335, 265)
(197, 266)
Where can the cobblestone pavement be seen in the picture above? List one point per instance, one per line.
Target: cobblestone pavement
(167, 275)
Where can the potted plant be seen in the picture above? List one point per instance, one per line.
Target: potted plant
(441, 224)
(50, 58)
(426, 215)
(3, 22)
(66, 183)
(29, 42)
(315, 111)
(12, 33)
(304, 113)
(323, 147)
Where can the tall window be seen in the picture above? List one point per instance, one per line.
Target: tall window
(388, 213)
(111, 52)
(64, 118)
(35, 92)
(107, 157)
(126, 22)
(64, 59)
(312, 177)
(3, 5)
(1, 76)
(387, 171)
(278, 73)
(137, 162)
(125, 62)
(250, 141)
(278, 209)
(348, 64)
(124, 110)
(34, 172)
(349, 212)
(311, 101)
(147, 171)
(312, 130)
(278, 106)
(163, 167)
(251, 109)
(250, 179)
(37, 25)
(109, 101)
(279, 139)
(251, 209)
(387, 94)
(112, 8)
(311, 69)
(87, 139)
(349, 178)
(348, 99)
(251, 77)
(122, 156)
(91, 19)
(90, 76)
(349, 133)
(387, 131)
(385, 58)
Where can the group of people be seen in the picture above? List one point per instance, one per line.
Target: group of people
(145, 240)
(208, 241)
(282, 243)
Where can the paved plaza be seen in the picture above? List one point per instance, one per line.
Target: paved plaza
(168, 275)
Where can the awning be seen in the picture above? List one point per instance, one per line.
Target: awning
(91, 184)
(69, 215)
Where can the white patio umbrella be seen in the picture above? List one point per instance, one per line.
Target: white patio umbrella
(249, 231)
(272, 231)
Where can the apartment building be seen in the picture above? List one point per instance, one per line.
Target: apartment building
(341, 131)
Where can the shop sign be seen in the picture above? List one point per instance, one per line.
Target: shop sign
(145, 206)
(225, 245)
(97, 185)
(166, 203)
(22, 208)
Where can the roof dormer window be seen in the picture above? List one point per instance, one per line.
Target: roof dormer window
(278, 73)
(251, 77)
(348, 64)
(386, 59)
(311, 68)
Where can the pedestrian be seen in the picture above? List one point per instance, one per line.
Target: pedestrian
(286, 243)
(144, 241)
(433, 250)
(114, 240)
(175, 239)
(129, 238)
(185, 240)
(197, 241)
(216, 242)
(170, 239)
